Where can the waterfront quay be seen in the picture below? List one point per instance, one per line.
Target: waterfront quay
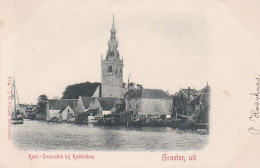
(187, 109)
(148, 121)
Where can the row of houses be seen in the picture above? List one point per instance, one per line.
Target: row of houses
(192, 104)
(149, 102)
(146, 103)
(27, 109)
(67, 110)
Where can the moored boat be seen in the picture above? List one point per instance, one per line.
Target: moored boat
(92, 119)
(16, 117)
(17, 120)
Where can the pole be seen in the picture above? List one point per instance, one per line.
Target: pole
(128, 103)
(176, 115)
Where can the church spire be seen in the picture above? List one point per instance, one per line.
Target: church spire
(113, 44)
(112, 68)
(113, 29)
(113, 25)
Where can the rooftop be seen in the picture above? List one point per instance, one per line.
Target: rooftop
(107, 103)
(58, 104)
(86, 101)
(154, 93)
(192, 91)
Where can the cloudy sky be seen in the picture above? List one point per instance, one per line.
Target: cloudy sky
(57, 45)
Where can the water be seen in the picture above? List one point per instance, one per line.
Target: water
(41, 135)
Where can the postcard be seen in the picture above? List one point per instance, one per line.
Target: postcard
(116, 83)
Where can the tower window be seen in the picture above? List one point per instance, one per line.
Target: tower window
(110, 68)
(120, 70)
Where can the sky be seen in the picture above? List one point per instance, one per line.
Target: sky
(57, 45)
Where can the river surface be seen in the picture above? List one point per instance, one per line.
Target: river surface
(41, 135)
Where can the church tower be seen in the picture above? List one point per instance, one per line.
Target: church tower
(112, 69)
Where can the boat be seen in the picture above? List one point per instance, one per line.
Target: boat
(16, 116)
(17, 120)
(92, 119)
(136, 122)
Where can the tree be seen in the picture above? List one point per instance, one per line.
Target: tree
(42, 102)
(179, 103)
(204, 114)
(135, 90)
(80, 89)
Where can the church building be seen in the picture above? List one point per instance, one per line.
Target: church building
(112, 69)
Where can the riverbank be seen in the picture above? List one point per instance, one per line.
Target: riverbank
(42, 135)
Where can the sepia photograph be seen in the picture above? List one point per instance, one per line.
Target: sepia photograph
(121, 110)
(129, 83)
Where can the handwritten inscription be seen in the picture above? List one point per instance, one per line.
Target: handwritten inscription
(254, 114)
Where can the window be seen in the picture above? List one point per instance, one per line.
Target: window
(120, 70)
(110, 68)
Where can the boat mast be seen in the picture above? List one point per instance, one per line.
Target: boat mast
(17, 97)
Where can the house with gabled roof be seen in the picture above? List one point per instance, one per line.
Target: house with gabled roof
(150, 102)
(187, 94)
(83, 104)
(67, 114)
(105, 105)
(186, 99)
(61, 109)
(200, 104)
(194, 106)
(97, 106)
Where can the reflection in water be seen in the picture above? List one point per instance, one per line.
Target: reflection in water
(41, 135)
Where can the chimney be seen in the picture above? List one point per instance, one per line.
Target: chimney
(189, 93)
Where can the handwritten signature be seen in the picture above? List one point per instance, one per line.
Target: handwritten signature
(255, 113)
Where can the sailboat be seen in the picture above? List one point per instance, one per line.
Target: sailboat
(17, 116)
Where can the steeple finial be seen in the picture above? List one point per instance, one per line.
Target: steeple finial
(113, 25)
(113, 20)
